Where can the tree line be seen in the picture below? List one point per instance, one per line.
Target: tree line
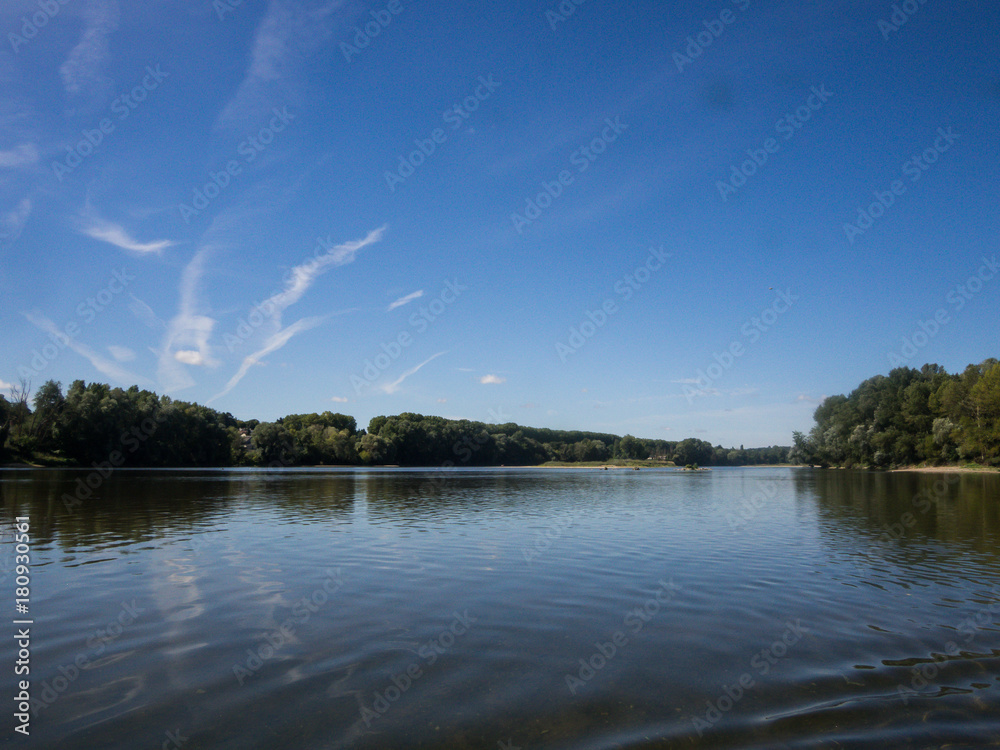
(909, 417)
(96, 424)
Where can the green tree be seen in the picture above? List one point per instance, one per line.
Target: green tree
(272, 445)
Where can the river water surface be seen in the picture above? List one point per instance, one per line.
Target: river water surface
(507, 609)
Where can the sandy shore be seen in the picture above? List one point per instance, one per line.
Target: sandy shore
(949, 470)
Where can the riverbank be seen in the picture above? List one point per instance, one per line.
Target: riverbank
(614, 464)
(967, 469)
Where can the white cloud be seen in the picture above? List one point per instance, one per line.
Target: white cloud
(116, 235)
(394, 385)
(300, 278)
(404, 300)
(105, 366)
(81, 73)
(121, 353)
(442, 401)
(492, 380)
(286, 32)
(803, 398)
(339, 399)
(24, 154)
(188, 330)
(5, 386)
(189, 357)
(145, 313)
(12, 222)
(273, 343)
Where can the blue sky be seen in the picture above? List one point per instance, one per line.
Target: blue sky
(578, 219)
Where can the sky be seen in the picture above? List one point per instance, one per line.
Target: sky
(694, 219)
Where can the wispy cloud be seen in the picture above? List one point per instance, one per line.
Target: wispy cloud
(394, 385)
(492, 380)
(188, 331)
(145, 313)
(808, 399)
(5, 386)
(121, 353)
(103, 365)
(20, 156)
(116, 235)
(300, 278)
(12, 222)
(82, 71)
(405, 300)
(274, 343)
(339, 399)
(191, 357)
(287, 32)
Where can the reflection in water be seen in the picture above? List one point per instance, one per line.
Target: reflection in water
(462, 609)
(950, 508)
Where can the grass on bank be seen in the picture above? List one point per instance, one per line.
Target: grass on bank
(624, 463)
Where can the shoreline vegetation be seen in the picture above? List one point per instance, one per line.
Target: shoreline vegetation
(911, 420)
(95, 426)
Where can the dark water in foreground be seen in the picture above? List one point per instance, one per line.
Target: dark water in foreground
(508, 608)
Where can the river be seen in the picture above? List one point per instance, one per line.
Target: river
(507, 608)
